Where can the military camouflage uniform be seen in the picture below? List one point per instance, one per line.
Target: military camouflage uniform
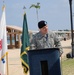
(50, 40)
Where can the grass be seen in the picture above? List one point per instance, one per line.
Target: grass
(68, 67)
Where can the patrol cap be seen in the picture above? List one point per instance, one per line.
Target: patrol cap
(42, 24)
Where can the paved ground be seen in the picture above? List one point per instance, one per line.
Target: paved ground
(14, 63)
(66, 47)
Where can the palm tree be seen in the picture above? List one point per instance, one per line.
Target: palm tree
(37, 7)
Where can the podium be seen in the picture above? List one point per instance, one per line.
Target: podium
(44, 61)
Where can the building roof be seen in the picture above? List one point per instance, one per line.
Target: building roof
(14, 27)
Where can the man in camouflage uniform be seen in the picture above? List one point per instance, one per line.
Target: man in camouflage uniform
(45, 39)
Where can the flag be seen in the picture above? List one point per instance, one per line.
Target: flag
(3, 43)
(25, 45)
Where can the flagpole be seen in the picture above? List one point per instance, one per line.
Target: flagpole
(3, 2)
(7, 63)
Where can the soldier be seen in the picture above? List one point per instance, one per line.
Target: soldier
(45, 39)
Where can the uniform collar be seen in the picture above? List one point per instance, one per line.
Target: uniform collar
(43, 35)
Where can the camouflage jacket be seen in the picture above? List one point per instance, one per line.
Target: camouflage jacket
(50, 40)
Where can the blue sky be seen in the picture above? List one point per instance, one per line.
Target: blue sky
(55, 12)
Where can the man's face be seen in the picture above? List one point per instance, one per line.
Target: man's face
(44, 30)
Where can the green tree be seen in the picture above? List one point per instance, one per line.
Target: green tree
(37, 6)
